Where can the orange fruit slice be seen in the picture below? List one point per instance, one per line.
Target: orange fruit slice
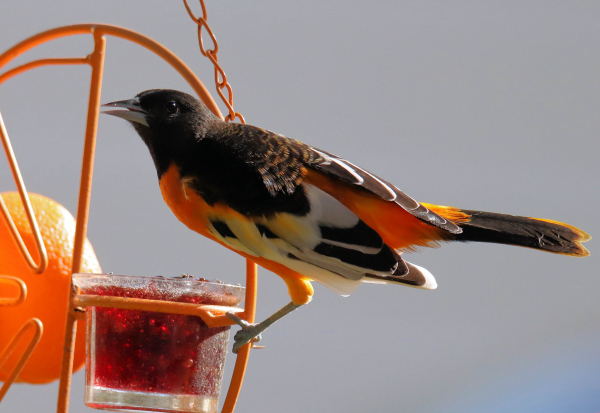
(47, 293)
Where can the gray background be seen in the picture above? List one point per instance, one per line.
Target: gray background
(482, 105)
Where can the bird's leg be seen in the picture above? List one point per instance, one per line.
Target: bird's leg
(251, 332)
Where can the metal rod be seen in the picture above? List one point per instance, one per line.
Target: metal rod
(241, 361)
(35, 229)
(43, 62)
(212, 315)
(85, 190)
(13, 301)
(37, 335)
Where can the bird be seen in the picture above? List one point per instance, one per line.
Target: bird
(301, 212)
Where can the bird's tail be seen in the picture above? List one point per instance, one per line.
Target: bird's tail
(541, 234)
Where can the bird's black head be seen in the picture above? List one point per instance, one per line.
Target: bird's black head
(168, 121)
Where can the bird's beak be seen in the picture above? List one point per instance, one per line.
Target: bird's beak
(133, 112)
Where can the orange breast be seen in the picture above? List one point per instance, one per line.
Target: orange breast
(187, 206)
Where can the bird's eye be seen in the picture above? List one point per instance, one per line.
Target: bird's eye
(172, 108)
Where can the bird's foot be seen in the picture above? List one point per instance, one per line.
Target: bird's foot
(250, 333)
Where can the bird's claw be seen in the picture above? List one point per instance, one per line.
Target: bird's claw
(250, 333)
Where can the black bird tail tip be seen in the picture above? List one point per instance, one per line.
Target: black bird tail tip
(537, 233)
(579, 236)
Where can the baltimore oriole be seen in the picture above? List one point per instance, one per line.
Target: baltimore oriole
(301, 212)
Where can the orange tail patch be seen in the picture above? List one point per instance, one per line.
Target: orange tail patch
(450, 213)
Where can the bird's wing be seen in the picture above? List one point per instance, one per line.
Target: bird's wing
(283, 162)
(352, 174)
(282, 165)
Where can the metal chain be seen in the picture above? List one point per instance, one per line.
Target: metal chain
(220, 78)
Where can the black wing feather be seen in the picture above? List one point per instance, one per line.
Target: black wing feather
(333, 164)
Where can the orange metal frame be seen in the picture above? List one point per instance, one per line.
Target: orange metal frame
(212, 315)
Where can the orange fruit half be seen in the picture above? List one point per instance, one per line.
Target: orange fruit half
(47, 293)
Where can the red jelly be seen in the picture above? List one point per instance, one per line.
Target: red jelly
(139, 360)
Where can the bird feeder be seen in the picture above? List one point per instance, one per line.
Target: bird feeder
(150, 360)
(191, 308)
